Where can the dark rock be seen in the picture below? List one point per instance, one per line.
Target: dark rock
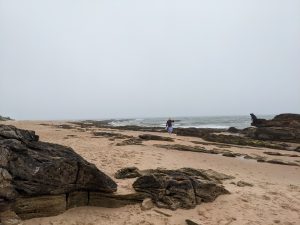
(115, 200)
(128, 172)
(197, 132)
(31, 168)
(283, 127)
(77, 199)
(233, 130)
(277, 134)
(40, 168)
(182, 188)
(11, 132)
(282, 120)
(155, 137)
(190, 222)
(229, 154)
(40, 206)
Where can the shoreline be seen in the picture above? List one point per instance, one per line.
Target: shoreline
(274, 196)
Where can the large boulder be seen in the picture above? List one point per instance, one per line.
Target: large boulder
(283, 127)
(282, 120)
(31, 168)
(182, 188)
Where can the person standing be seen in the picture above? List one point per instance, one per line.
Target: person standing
(169, 125)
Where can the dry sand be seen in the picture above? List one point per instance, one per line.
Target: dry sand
(274, 198)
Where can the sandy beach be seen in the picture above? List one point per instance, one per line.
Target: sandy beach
(274, 197)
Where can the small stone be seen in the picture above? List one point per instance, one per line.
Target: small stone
(190, 222)
(229, 154)
(147, 204)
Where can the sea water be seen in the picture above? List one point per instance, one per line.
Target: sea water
(221, 122)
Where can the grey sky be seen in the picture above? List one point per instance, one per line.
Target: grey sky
(123, 58)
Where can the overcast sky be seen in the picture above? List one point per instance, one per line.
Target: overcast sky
(70, 59)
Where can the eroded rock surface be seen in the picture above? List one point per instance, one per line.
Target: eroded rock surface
(283, 127)
(182, 188)
(31, 168)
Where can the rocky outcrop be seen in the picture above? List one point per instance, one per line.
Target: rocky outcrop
(285, 134)
(283, 127)
(282, 120)
(182, 188)
(33, 169)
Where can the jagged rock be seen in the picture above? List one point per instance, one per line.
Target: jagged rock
(147, 204)
(31, 168)
(128, 172)
(182, 188)
(229, 154)
(283, 127)
(281, 120)
(155, 137)
(11, 132)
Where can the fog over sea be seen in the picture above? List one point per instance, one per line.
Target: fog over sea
(198, 122)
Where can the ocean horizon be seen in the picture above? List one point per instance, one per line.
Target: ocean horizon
(218, 122)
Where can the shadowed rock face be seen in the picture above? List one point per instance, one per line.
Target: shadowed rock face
(33, 168)
(183, 188)
(283, 127)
